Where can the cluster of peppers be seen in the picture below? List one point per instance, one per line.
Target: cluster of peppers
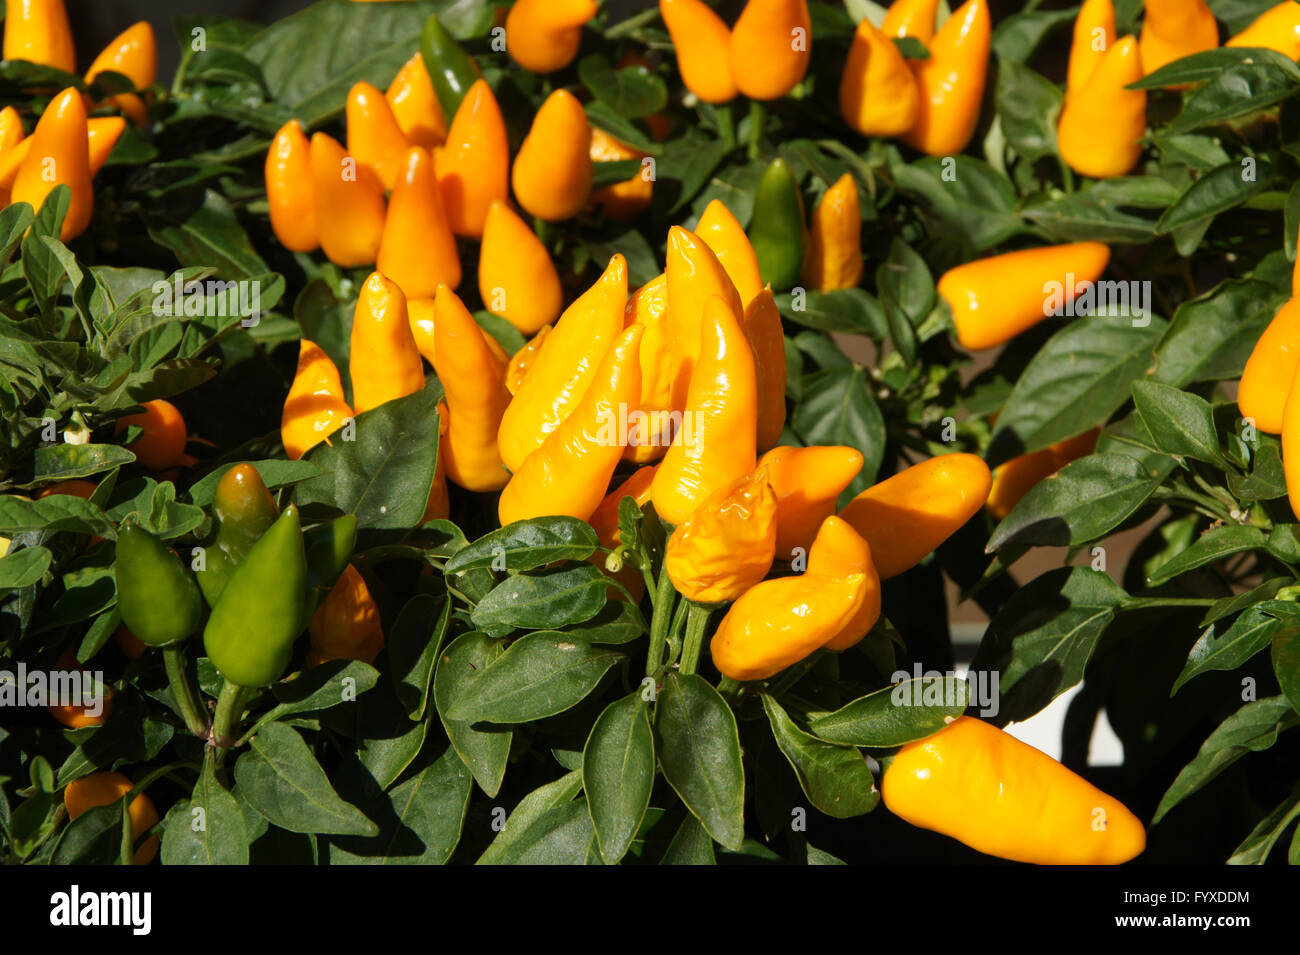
(68, 147)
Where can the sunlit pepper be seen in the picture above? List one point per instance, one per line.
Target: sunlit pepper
(878, 91)
(383, 360)
(165, 434)
(771, 45)
(951, 81)
(102, 134)
(1277, 28)
(777, 229)
(1271, 368)
(604, 520)
(552, 171)
(834, 259)
(516, 277)
(701, 43)
(1102, 125)
(350, 208)
(1094, 34)
(624, 200)
(346, 626)
(1173, 29)
(418, 250)
(650, 436)
(694, 276)
(58, 154)
(1013, 480)
(474, 163)
(133, 54)
(762, 324)
(521, 362)
(375, 140)
(839, 550)
(914, 18)
(37, 31)
(289, 192)
(807, 483)
(727, 544)
(543, 35)
(415, 105)
(722, 232)
(316, 407)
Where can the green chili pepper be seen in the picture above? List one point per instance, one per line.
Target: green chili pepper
(156, 594)
(777, 229)
(452, 70)
(250, 635)
(243, 510)
(329, 546)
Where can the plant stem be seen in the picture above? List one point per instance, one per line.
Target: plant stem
(726, 124)
(634, 22)
(663, 612)
(230, 707)
(185, 693)
(757, 114)
(1143, 603)
(697, 620)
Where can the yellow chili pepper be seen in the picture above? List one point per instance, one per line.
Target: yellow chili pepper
(722, 233)
(516, 277)
(1266, 381)
(834, 259)
(771, 45)
(11, 135)
(604, 520)
(1101, 127)
(102, 133)
(988, 790)
(289, 192)
(701, 43)
(418, 250)
(907, 516)
(624, 200)
(762, 324)
(346, 626)
(807, 482)
(315, 408)
(570, 472)
(995, 299)
(649, 436)
(951, 81)
(350, 208)
(133, 54)
(384, 361)
(1094, 33)
(543, 35)
(716, 444)
(878, 91)
(565, 365)
(1277, 28)
(1013, 480)
(914, 18)
(727, 544)
(1291, 447)
(374, 138)
(521, 362)
(552, 172)
(37, 31)
(836, 551)
(694, 276)
(59, 155)
(474, 164)
(415, 105)
(476, 396)
(1173, 29)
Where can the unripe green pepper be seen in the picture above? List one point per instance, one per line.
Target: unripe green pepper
(156, 594)
(329, 547)
(777, 229)
(250, 635)
(451, 69)
(243, 510)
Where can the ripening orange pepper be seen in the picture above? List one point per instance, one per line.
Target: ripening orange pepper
(1266, 380)
(721, 232)
(878, 91)
(1013, 480)
(1094, 34)
(570, 472)
(1173, 29)
(37, 31)
(727, 544)
(565, 365)
(346, 626)
(315, 407)
(762, 324)
(543, 36)
(716, 444)
(418, 250)
(649, 437)
(75, 488)
(289, 192)
(77, 715)
(375, 140)
(474, 163)
(985, 788)
(133, 54)
(553, 171)
(624, 200)
(771, 46)
(834, 259)
(839, 550)
(701, 43)
(995, 299)
(415, 105)
(951, 81)
(695, 275)
(1277, 28)
(104, 789)
(59, 155)
(521, 362)
(162, 445)
(807, 483)
(516, 277)
(132, 647)
(1101, 128)
(384, 361)
(350, 208)
(907, 516)
(473, 378)
(914, 18)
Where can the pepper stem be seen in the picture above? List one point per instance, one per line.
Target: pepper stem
(757, 117)
(697, 620)
(230, 707)
(187, 697)
(659, 624)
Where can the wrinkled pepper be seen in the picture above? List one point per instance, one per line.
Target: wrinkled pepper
(37, 31)
(914, 18)
(350, 208)
(521, 362)
(649, 438)
(727, 544)
(242, 510)
(552, 172)
(134, 54)
(156, 593)
(516, 277)
(694, 275)
(1277, 28)
(878, 91)
(834, 259)
(452, 71)
(384, 360)
(807, 482)
(346, 626)
(1101, 127)
(1173, 29)
(104, 789)
(777, 228)
(59, 155)
(622, 201)
(418, 250)
(838, 550)
(722, 232)
(1013, 480)
(701, 43)
(771, 46)
(316, 406)
(951, 81)
(1094, 34)
(543, 35)
(375, 140)
(289, 192)
(474, 163)
(415, 105)
(762, 324)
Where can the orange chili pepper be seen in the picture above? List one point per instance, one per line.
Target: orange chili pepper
(762, 324)
(384, 361)
(375, 139)
(771, 46)
(418, 250)
(727, 544)
(350, 208)
(722, 232)
(59, 155)
(415, 105)
(807, 483)
(474, 164)
(289, 192)
(552, 172)
(701, 43)
(315, 407)
(516, 277)
(951, 81)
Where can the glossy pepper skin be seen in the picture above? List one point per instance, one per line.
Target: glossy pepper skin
(375, 139)
(37, 31)
(350, 208)
(249, 636)
(242, 510)
(59, 155)
(838, 550)
(995, 299)
(134, 54)
(701, 43)
(1270, 370)
(762, 324)
(878, 91)
(162, 445)
(104, 789)
(415, 105)
(474, 163)
(452, 71)
(102, 134)
(570, 472)
(625, 200)
(346, 626)
(1173, 29)
(717, 442)
(316, 406)
(648, 438)
(516, 277)
(777, 229)
(723, 234)
(1277, 28)
(807, 483)
(552, 171)
(951, 81)
(1013, 480)
(694, 275)
(384, 361)
(771, 46)
(914, 18)
(521, 362)
(543, 36)
(727, 544)
(1094, 34)
(156, 593)
(1101, 126)
(289, 191)
(834, 259)
(905, 517)
(986, 789)
(473, 377)
(564, 366)
(604, 520)
(418, 250)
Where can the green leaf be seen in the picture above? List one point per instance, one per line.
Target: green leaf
(843, 310)
(834, 778)
(1212, 336)
(1257, 846)
(525, 545)
(66, 462)
(1028, 106)
(484, 750)
(1217, 191)
(413, 644)
(22, 568)
(964, 197)
(548, 599)
(320, 687)
(633, 91)
(1286, 664)
(58, 512)
(1181, 424)
(1249, 634)
(1212, 546)
(898, 714)
(1209, 64)
(618, 772)
(519, 830)
(1236, 91)
(837, 408)
(206, 829)
(208, 236)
